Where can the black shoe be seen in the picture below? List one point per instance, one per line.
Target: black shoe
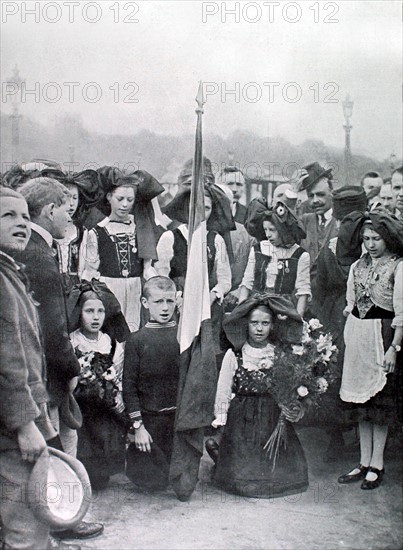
(368, 485)
(81, 531)
(212, 449)
(350, 478)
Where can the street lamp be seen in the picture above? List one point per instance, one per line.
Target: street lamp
(16, 81)
(348, 112)
(392, 162)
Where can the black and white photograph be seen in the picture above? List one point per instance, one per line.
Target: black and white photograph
(201, 275)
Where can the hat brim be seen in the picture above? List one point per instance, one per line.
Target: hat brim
(307, 183)
(147, 470)
(70, 412)
(59, 489)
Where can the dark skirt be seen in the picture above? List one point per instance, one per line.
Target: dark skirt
(101, 440)
(244, 467)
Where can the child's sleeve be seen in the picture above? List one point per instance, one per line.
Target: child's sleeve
(130, 381)
(398, 296)
(303, 279)
(89, 256)
(249, 275)
(224, 389)
(165, 252)
(118, 359)
(350, 294)
(222, 267)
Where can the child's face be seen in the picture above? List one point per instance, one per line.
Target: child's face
(272, 234)
(92, 317)
(73, 190)
(121, 201)
(259, 327)
(208, 207)
(15, 226)
(161, 305)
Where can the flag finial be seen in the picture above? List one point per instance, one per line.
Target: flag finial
(200, 98)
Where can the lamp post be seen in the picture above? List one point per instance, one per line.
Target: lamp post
(392, 161)
(347, 111)
(16, 80)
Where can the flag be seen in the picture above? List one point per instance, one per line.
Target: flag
(198, 371)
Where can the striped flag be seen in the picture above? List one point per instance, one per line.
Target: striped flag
(198, 371)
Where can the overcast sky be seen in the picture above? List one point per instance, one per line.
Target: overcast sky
(171, 48)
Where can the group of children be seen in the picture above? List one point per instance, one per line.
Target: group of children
(122, 285)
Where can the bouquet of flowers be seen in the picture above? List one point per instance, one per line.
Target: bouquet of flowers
(300, 375)
(98, 378)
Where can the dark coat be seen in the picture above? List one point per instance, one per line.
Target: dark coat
(22, 362)
(43, 272)
(240, 213)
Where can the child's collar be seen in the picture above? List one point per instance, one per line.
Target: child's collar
(154, 324)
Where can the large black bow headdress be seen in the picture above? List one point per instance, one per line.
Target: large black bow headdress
(115, 323)
(350, 238)
(87, 183)
(286, 320)
(285, 221)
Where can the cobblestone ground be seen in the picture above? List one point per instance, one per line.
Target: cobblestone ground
(327, 516)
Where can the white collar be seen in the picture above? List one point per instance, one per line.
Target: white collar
(9, 258)
(184, 229)
(44, 233)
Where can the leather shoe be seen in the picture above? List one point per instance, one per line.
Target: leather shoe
(212, 449)
(367, 484)
(54, 544)
(350, 478)
(83, 530)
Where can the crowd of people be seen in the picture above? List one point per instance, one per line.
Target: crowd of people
(93, 272)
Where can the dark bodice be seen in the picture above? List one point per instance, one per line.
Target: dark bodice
(250, 383)
(118, 256)
(285, 280)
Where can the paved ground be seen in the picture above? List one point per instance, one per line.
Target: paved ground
(327, 516)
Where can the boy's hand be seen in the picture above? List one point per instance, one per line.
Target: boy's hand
(143, 439)
(31, 442)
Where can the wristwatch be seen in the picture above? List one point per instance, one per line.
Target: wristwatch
(396, 347)
(137, 424)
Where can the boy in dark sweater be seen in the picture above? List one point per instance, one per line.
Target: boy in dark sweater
(150, 383)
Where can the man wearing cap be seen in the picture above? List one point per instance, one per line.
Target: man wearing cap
(233, 178)
(320, 225)
(24, 423)
(397, 190)
(48, 204)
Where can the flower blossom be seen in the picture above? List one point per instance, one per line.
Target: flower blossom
(109, 374)
(298, 350)
(315, 324)
(322, 384)
(302, 391)
(324, 342)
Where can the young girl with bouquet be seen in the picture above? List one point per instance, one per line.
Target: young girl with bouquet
(243, 465)
(99, 330)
